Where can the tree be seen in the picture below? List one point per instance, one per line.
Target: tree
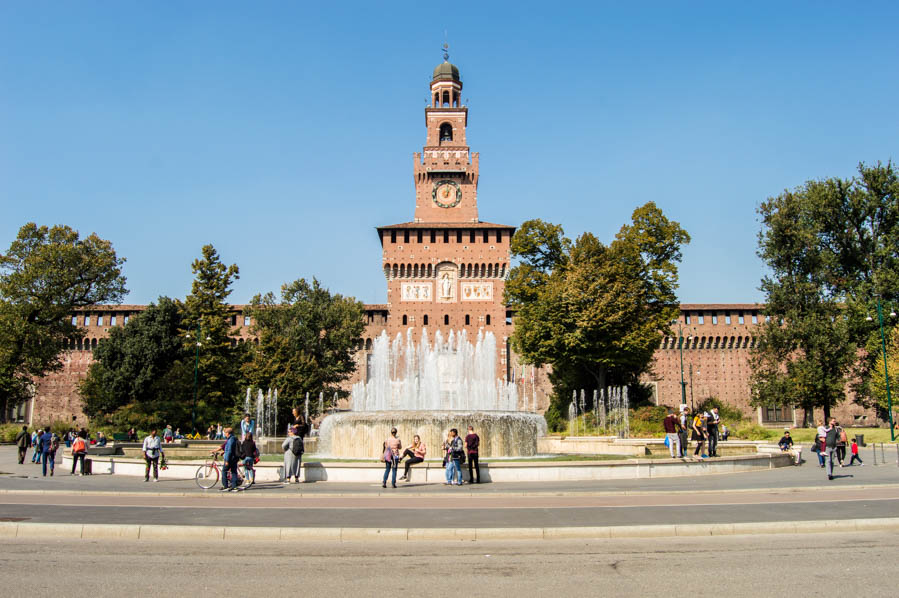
(47, 274)
(142, 372)
(831, 248)
(206, 325)
(595, 309)
(307, 341)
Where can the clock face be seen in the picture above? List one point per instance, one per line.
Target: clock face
(447, 193)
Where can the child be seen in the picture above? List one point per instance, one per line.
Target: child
(854, 450)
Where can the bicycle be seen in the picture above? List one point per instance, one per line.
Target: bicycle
(209, 473)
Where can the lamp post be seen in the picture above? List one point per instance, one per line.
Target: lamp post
(683, 385)
(193, 407)
(692, 408)
(886, 374)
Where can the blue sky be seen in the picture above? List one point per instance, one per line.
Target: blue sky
(283, 133)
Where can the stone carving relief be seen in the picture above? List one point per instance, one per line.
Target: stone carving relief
(447, 274)
(477, 291)
(417, 291)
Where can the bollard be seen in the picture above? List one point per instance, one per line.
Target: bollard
(897, 455)
(883, 459)
(874, 452)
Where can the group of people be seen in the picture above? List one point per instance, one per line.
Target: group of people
(830, 443)
(45, 443)
(455, 450)
(704, 428)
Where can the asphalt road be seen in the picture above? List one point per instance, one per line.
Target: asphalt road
(734, 566)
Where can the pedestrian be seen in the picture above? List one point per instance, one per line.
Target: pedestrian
(841, 444)
(79, 450)
(391, 457)
(101, 438)
(670, 424)
(249, 453)
(699, 434)
(831, 438)
(820, 435)
(416, 454)
(132, 435)
(786, 442)
(712, 427)
(69, 437)
(36, 444)
(293, 455)
(472, 442)
(47, 454)
(854, 450)
(23, 441)
(683, 428)
(152, 448)
(167, 434)
(453, 452)
(219, 432)
(724, 433)
(246, 427)
(230, 461)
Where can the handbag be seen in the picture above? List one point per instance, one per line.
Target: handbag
(387, 456)
(667, 442)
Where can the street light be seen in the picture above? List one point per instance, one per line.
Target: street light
(886, 374)
(193, 408)
(680, 342)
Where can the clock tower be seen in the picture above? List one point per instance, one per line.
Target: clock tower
(446, 172)
(446, 269)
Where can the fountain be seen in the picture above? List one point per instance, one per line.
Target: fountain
(427, 388)
(266, 407)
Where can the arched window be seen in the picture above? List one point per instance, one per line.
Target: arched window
(425, 320)
(488, 320)
(446, 320)
(386, 272)
(489, 270)
(467, 320)
(405, 319)
(446, 99)
(93, 344)
(368, 344)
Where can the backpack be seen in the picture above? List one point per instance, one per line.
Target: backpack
(78, 446)
(843, 437)
(296, 446)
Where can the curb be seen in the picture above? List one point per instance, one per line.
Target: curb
(400, 493)
(199, 533)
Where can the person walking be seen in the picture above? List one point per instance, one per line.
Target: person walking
(454, 452)
(219, 432)
(841, 444)
(36, 444)
(820, 434)
(152, 448)
(230, 459)
(670, 424)
(853, 448)
(416, 454)
(249, 453)
(831, 438)
(712, 427)
(23, 441)
(683, 428)
(48, 456)
(79, 450)
(392, 447)
(472, 442)
(293, 455)
(699, 434)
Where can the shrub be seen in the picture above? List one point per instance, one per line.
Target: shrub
(8, 432)
(748, 431)
(728, 413)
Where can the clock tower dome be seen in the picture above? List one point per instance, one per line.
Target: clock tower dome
(446, 172)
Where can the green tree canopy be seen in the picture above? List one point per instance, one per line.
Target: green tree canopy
(830, 246)
(46, 274)
(307, 340)
(207, 335)
(141, 374)
(589, 308)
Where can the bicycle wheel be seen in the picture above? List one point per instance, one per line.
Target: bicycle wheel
(207, 476)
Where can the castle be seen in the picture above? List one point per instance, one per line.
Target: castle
(445, 271)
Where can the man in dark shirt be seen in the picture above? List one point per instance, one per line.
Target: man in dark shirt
(23, 441)
(712, 427)
(786, 442)
(670, 423)
(830, 445)
(472, 441)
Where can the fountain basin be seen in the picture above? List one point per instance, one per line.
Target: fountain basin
(361, 434)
